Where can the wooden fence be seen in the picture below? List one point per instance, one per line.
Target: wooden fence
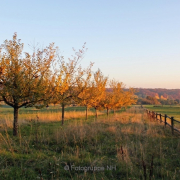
(163, 118)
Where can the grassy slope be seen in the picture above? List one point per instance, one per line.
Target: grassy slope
(127, 141)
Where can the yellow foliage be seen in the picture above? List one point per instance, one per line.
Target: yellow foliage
(25, 80)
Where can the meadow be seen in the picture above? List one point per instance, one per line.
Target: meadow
(171, 111)
(50, 114)
(166, 109)
(125, 145)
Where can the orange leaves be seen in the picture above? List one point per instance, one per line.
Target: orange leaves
(71, 78)
(117, 97)
(29, 79)
(26, 78)
(94, 91)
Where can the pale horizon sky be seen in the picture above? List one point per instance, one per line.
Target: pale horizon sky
(136, 42)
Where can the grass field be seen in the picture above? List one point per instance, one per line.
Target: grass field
(124, 146)
(168, 110)
(53, 113)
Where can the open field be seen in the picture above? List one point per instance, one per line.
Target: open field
(124, 146)
(53, 113)
(168, 110)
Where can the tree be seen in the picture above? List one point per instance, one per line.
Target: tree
(130, 98)
(153, 100)
(113, 98)
(118, 97)
(176, 101)
(85, 96)
(98, 89)
(117, 94)
(26, 80)
(69, 80)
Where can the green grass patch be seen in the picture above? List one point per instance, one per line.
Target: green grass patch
(120, 146)
(165, 109)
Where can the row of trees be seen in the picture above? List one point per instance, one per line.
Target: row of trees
(154, 101)
(45, 77)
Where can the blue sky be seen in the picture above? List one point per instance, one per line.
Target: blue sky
(133, 41)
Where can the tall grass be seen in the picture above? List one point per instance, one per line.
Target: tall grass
(7, 120)
(127, 141)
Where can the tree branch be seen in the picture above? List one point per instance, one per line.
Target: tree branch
(8, 103)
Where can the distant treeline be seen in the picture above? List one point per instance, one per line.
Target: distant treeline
(153, 100)
(159, 93)
(157, 96)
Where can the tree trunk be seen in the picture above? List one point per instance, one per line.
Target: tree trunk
(96, 112)
(86, 112)
(62, 113)
(107, 111)
(15, 124)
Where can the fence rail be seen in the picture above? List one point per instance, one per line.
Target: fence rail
(157, 116)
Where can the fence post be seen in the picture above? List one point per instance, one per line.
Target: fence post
(149, 114)
(160, 117)
(165, 119)
(153, 115)
(172, 124)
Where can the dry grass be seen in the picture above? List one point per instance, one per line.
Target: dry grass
(7, 120)
(111, 129)
(125, 139)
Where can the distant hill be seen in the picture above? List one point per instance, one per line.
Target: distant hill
(159, 93)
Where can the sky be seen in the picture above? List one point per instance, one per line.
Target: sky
(136, 42)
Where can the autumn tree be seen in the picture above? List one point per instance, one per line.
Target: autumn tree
(70, 79)
(98, 88)
(118, 97)
(107, 101)
(85, 91)
(88, 94)
(130, 97)
(113, 98)
(123, 98)
(152, 100)
(25, 79)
